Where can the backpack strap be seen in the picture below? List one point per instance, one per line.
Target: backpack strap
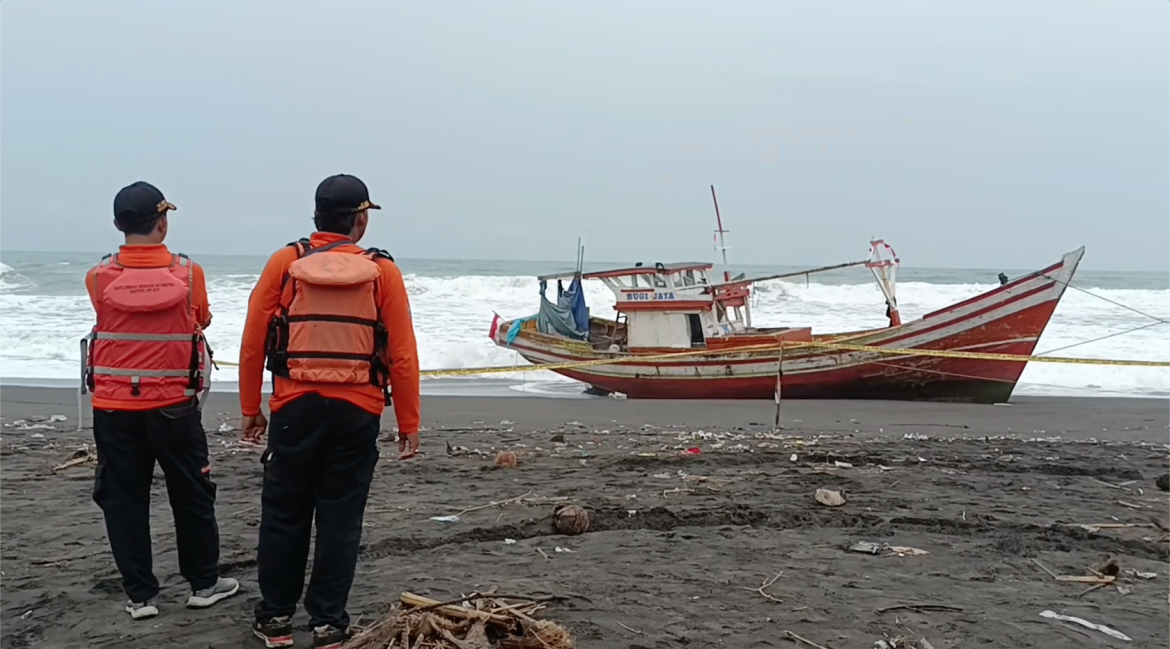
(379, 370)
(328, 246)
(108, 260)
(374, 253)
(301, 245)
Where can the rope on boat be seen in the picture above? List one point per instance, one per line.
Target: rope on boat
(761, 349)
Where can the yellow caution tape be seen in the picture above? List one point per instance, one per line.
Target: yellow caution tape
(893, 351)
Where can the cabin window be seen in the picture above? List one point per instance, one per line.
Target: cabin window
(689, 278)
(696, 327)
(659, 281)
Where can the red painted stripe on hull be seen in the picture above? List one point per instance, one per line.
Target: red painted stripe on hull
(1029, 323)
(951, 379)
(896, 377)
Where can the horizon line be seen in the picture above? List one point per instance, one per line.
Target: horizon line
(616, 263)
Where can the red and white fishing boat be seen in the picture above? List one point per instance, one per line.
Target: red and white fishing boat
(679, 335)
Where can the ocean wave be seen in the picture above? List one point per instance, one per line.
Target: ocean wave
(39, 333)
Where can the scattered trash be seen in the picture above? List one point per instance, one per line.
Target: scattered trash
(1142, 575)
(445, 519)
(23, 424)
(460, 451)
(509, 541)
(691, 451)
(830, 498)
(906, 551)
(1113, 633)
(866, 547)
(842, 465)
(58, 418)
(560, 550)
(26, 614)
(792, 458)
(558, 439)
(662, 476)
(876, 549)
(39, 435)
(226, 427)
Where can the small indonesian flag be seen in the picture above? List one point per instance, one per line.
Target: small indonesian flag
(495, 327)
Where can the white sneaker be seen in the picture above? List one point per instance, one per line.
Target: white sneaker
(223, 589)
(142, 610)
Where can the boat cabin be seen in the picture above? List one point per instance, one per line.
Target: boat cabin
(666, 306)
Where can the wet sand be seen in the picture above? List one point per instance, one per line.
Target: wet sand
(678, 545)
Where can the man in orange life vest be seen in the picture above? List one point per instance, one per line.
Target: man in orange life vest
(146, 368)
(333, 322)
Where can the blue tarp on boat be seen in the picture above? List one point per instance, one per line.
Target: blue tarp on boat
(569, 316)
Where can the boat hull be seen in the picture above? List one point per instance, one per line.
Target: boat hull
(1006, 320)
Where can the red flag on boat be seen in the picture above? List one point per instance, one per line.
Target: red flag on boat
(495, 326)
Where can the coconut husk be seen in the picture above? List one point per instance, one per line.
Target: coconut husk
(506, 460)
(476, 622)
(571, 519)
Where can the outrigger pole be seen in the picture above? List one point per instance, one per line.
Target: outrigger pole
(801, 273)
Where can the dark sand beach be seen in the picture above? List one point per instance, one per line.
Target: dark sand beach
(678, 545)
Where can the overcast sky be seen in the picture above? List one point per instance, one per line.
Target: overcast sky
(985, 133)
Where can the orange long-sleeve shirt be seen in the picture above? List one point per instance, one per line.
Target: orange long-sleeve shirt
(403, 349)
(151, 256)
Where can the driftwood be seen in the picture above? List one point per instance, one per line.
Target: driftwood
(476, 621)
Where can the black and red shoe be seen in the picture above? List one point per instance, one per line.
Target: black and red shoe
(276, 632)
(329, 637)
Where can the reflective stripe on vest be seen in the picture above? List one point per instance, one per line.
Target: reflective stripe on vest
(110, 335)
(120, 371)
(135, 375)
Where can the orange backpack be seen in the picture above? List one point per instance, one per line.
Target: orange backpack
(329, 327)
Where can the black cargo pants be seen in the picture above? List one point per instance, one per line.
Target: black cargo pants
(319, 463)
(128, 445)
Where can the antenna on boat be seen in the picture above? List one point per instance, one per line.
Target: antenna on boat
(580, 257)
(721, 242)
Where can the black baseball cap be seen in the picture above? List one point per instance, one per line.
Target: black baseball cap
(140, 201)
(344, 194)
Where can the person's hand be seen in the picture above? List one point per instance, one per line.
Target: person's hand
(253, 428)
(407, 445)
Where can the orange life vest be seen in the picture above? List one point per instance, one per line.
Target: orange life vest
(329, 326)
(146, 344)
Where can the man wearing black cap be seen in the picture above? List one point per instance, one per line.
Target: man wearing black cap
(331, 321)
(147, 369)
